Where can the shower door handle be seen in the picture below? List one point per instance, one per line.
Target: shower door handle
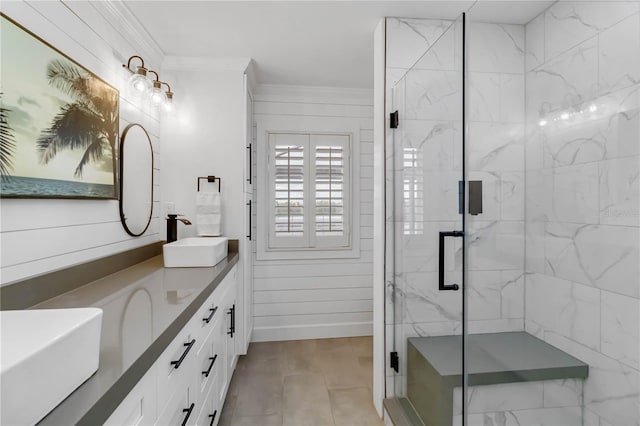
(441, 285)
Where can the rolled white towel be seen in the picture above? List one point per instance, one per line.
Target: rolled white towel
(208, 202)
(209, 225)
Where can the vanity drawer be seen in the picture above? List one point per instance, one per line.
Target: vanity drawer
(207, 317)
(180, 410)
(208, 361)
(209, 410)
(176, 365)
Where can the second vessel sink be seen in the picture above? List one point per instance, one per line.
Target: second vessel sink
(45, 355)
(195, 252)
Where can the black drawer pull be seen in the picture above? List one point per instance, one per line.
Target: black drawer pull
(188, 411)
(213, 312)
(189, 345)
(232, 327)
(213, 417)
(213, 361)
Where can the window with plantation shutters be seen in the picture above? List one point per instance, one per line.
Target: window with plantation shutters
(309, 184)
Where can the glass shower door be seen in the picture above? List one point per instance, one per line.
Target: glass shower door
(425, 253)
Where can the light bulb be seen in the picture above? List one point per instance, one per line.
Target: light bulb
(139, 80)
(542, 123)
(156, 95)
(168, 103)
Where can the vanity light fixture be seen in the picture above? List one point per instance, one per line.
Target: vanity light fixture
(168, 103)
(156, 95)
(138, 79)
(151, 88)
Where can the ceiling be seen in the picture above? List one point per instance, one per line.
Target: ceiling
(309, 43)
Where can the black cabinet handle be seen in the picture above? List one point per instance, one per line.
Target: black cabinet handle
(441, 285)
(250, 230)
(250, 164)
(232, 327)
(213, 417)
(188, 411)
(189, 345)
(213, 312)
(213, 361)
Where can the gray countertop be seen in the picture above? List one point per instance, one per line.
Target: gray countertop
(144, 308)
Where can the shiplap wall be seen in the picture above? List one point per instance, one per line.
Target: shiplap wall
(38, 236)
(303, 299)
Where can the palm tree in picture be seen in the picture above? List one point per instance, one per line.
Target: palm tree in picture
(7, 143)
(90, 122)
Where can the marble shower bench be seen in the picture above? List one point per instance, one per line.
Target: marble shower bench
(510, 374)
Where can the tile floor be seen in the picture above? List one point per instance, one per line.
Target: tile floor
(303, 382)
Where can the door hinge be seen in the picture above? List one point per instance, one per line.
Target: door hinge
(394, 119)
(395, 361)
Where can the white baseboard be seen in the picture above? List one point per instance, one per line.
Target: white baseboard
(320, 331)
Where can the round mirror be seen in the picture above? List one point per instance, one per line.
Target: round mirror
(136, 180)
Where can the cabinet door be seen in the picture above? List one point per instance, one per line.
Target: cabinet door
(139, 407)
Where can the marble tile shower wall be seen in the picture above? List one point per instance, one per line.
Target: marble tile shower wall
(495, 153)
(582, 196)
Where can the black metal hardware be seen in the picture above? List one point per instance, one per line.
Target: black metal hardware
(213, 361)
(189, 345)
(213, 417)
(250, 164)
(394, 361)
(232, 327)
(441, 284)
(172, 226)
(249, 236)
(475, 197)
(210, 179)
(188, 411)
(213, 312)
(394, 120)
(460, 197)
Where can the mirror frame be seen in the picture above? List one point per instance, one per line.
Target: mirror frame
(121, 183)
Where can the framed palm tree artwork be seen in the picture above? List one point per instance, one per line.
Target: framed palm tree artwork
(58, 122)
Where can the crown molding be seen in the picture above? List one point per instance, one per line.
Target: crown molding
(205, 63)
(337, 95)
(123, 20)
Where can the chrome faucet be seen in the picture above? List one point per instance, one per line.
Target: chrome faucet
(172, 226)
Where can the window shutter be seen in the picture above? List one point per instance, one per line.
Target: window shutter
(330, 191)
(309, 184)
(289, 190)
(329, 194)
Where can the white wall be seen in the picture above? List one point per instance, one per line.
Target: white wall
(300, 299)
(38, 236)
(582, 197)
(206, 137)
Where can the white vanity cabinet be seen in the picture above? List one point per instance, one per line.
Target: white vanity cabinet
(188, 382)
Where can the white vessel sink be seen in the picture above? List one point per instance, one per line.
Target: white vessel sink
(46, 354)
(195, 252)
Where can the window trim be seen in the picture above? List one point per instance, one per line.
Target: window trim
(306, 125)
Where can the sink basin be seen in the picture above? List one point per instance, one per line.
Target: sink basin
(195, 252)
(46, 354)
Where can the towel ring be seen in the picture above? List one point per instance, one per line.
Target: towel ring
(210, 179)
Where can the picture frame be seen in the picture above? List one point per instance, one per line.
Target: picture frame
(59, 122)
